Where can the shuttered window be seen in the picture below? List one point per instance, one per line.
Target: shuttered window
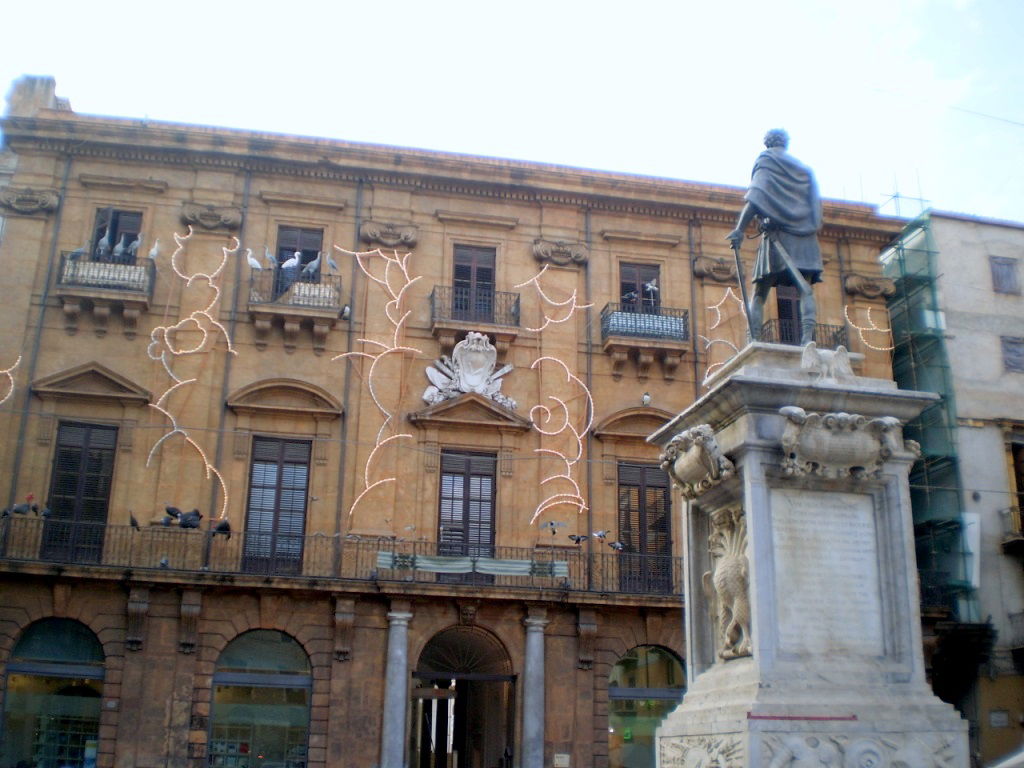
(1004, 274)
(291, 239)
(639, 288)
(83, 468)
(123, 227)
(473, 283)
(276, 515)
(644, 529)
(1013, 354)
(466, 513)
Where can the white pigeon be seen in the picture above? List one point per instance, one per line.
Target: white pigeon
(133, 246)
(78, 253)
(103, 246)
(253, 264)
(293, 262)
(119, 248)
(331, 263)
(313, 266)
(268, 257)
(154, 252)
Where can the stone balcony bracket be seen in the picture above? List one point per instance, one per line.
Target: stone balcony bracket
(293, 324)
(101, 309)
(644, 352)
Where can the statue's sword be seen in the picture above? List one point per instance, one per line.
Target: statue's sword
(743, 293)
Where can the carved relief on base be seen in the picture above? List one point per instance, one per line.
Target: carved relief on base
(724, 751)
(838, 445)
(727, 584)
(694, 460)
(802, 750)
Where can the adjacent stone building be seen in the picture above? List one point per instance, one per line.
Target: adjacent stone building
(407, 392)
(958, 320)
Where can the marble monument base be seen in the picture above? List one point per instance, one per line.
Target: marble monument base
(802, 620)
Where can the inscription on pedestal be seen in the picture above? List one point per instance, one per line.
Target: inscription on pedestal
(826, 571)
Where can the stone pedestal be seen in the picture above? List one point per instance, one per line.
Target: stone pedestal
(802, 620)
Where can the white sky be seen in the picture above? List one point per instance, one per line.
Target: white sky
(878, 95)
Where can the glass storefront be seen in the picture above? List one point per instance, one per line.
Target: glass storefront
(644, 686)
(261, 697)
(52, 701)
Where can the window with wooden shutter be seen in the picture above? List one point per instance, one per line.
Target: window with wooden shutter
(1013, 354)
(1004, 274)
(639, 288)
(787, 298)
(123, 228)
(83, 469)
(275, 524)
(466, 508)
(645, 562)
(308, 243)
(473, 284)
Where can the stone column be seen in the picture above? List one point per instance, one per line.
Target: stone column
(533, 689)
(396, 694)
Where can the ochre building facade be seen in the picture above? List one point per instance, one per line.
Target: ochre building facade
(407, 391)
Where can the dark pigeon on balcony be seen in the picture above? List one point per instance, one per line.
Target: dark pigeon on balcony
(224, 528)
(190, 519)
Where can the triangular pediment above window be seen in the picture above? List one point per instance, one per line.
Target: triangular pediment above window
(91, 381)
(632, 423)
(284, 396)
(469, 410)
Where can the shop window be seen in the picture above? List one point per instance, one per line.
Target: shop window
(639, 289)
(52, 699)
(115, 236)
(645, 561)
(645, 685)
(83, 469)
(261, 695)
(276, 514)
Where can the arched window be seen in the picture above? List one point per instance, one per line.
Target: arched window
(52, 703)
(261, 696)
(644, 686)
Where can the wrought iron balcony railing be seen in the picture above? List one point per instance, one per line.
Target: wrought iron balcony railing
(788, 332)
(125, 273)
(645, 322)
(326, 558)
(290, 288)
(474, 305)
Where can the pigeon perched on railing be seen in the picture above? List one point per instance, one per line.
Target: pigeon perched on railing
(165, 563)
(172, 511)
(190, 519)
(133, 246)
(223, 527)
(132, 521)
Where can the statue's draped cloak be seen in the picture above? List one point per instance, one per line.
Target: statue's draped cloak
(783, 190)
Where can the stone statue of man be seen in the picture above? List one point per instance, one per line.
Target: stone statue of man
(783, 195)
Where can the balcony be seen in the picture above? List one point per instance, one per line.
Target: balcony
(456, 310)
(293, 301)
(788, 332)
(330, 560)
(1013, 530)
(645, 333)
(101, 285)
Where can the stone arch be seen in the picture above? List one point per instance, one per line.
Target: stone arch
(285, 395)
(476, 645)
(623, 435)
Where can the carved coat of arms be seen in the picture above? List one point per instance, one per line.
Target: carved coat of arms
(471, 368)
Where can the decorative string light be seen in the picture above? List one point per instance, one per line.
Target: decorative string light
(871, 328)
(709, 342)
(395, 283)
(570, 302)
(9, 373)
(163, 346)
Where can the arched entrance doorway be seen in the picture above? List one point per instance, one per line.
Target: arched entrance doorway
(463, 702)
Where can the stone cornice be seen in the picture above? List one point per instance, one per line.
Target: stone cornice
(478, 219)
(92, 181)
(270, 197)
(618, 235)
(420, 170)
